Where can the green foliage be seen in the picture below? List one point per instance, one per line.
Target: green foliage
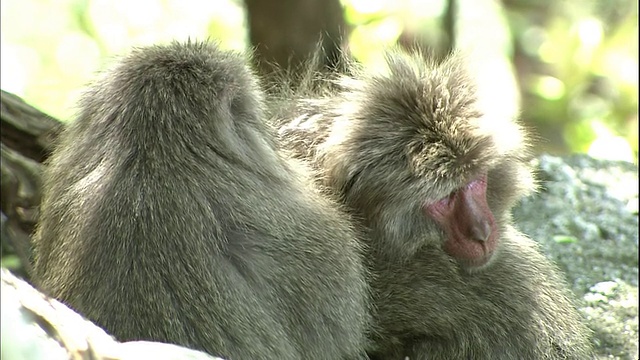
(52, 48)
(576, 61)
(565, 239)
(11, 262)
(582, 75)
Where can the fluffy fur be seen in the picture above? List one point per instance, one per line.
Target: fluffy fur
(170, 214)
(387, 143)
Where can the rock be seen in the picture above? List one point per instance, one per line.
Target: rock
(585, 217)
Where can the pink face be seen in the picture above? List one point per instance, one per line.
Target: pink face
(469, 225)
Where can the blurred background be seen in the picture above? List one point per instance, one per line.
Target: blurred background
(568, 68)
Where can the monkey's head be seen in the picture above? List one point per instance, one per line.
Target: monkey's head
(210, 94)
(413, 153)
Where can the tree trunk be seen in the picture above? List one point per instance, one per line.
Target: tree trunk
(286, 32)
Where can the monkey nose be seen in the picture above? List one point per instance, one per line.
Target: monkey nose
(480, 230)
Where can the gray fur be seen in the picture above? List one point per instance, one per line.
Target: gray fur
(386, 144)
(170, 214)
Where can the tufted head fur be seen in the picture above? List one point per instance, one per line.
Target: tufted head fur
(411, 135)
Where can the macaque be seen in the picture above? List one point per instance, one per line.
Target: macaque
(430, 177)
(171, 214)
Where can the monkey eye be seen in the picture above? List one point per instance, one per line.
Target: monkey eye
(481, 181)
(447, 200)
(441, 207)
(445, 204)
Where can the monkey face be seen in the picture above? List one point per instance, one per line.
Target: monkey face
(416, 157)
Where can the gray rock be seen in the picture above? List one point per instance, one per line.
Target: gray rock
(585, 217)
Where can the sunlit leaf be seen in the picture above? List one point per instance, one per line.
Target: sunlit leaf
(565, 239)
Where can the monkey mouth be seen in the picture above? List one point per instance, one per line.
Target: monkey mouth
(470, 253)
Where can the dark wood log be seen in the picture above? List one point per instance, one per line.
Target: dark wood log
(25, 142)
(26, 129)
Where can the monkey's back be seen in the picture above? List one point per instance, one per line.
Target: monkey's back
(169, 215)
